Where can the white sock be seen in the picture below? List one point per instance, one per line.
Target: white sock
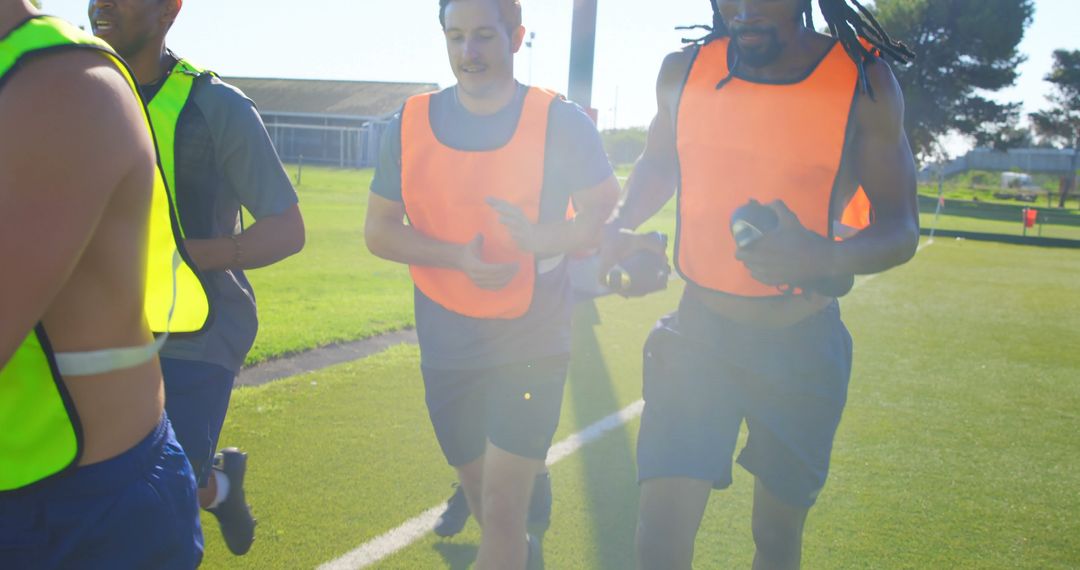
(222, 488)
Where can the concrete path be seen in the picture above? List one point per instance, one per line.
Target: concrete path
(319, 358)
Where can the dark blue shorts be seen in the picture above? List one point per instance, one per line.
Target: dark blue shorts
(515, 406)
(704, 375)
(136, 510)
(196, 399)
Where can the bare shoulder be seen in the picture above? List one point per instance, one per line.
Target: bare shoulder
(81, 108)
(669, 83)
(675, 67)
(70, 81)
(881, 112)
(76, 166)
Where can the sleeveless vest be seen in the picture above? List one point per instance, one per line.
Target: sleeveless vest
(748, 140)
(40, 432)
(444, 192)
(165, 109)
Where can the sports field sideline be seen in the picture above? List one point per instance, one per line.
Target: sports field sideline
(958, 448)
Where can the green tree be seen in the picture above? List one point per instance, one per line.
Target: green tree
(1060, 125)
(965, 49)
(1005, 136)
(624, 146)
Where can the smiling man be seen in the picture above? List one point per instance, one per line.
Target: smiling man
(485, 170)
(217, 157)
(762, 109)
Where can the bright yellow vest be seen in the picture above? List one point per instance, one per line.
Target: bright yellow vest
(40, 433)
(164, 111)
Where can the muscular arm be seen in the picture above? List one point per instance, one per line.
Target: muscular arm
(886, 169)
(246, 158)
(267, 241)
(655, 175)
(388, 237)
(582, 232)
(63, 153)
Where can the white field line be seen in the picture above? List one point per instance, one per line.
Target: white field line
(417, 527)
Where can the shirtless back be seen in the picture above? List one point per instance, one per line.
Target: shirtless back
(76, 172)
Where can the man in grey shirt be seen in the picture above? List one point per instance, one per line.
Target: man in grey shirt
(217, 157)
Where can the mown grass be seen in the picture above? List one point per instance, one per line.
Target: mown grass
(999, 227)
(334, 290)
(958, 448)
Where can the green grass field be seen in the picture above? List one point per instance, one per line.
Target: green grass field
(334, 290)
(958, 448)
(968, 224)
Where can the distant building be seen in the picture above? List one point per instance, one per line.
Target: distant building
(334, 123)
(1028, 160)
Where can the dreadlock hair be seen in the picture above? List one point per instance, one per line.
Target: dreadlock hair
(848, 20)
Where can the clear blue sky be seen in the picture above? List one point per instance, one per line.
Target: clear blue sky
(400, 40)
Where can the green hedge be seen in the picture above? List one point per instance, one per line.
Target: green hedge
(1003, 212)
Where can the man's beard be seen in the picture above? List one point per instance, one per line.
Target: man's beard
(759, 56)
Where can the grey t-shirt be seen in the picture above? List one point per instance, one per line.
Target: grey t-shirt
(574, 160)
(224, 159)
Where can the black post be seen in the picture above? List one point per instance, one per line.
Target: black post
(1074, 180)
(582, 52)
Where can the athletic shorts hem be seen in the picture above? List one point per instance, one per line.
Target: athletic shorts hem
(782, 489)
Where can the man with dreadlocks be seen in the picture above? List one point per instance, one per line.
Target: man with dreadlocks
(763, 108)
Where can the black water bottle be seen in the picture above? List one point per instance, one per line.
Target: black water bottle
(753, 220)
(644, 272)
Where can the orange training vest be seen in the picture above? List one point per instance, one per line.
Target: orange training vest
(755, 140)
(444, 191)
(859, 213)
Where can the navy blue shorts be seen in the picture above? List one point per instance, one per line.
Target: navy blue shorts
(196, 399)
(515, 406)
(136, 510)
(704, 375)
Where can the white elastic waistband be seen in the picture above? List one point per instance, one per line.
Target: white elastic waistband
(108, 360)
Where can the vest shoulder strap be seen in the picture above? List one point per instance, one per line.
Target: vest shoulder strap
(45, 33)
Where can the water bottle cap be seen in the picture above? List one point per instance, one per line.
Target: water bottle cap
(618, 279)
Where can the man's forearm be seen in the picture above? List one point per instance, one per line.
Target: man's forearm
(878, 248)
(585, 230)
(577, 234)
(650, 187)
(403, 244)
(267, 241)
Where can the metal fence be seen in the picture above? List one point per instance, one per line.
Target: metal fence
(1051, 161)
(1030, 224)
(329, 145)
